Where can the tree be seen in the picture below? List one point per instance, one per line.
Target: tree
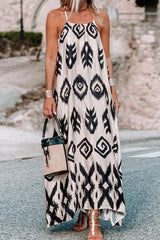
(151, 6)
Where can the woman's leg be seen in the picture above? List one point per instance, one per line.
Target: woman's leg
(82, 222)
(94, 226)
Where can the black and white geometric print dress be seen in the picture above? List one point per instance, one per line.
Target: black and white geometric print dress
(86, 112)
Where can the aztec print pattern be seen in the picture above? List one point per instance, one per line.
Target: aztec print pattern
(87, 116)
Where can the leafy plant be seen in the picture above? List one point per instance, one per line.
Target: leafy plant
(32, 39)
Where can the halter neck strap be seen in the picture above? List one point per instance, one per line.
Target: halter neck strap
(65, 13)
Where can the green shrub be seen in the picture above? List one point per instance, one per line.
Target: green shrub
(32, 39)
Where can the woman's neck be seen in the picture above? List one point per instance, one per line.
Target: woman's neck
(83, 5)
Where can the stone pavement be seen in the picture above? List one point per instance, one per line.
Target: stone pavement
(22, 190)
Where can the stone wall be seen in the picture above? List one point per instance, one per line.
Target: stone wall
(35, 12)
(137, 74)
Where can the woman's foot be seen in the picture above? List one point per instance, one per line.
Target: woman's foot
(94, 227)
(82, 222)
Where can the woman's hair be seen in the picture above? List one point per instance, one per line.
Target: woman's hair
(74, 5)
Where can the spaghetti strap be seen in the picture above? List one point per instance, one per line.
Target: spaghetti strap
(65, 13)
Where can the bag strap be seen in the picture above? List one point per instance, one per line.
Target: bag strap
(45, 125)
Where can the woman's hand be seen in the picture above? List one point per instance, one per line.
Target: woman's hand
(115, 100)
(117, 105)
(48, 106)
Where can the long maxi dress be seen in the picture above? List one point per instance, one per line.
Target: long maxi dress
(86, 111)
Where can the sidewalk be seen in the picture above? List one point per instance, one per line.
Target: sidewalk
(19, 75)
(132, 136)
(16, 143)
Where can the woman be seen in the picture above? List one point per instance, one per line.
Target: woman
(79, 70)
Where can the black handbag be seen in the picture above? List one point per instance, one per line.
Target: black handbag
(54, 152)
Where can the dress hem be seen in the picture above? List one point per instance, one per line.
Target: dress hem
(101, 216)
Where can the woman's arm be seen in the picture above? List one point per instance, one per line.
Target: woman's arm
(105, 37)
(50, 61)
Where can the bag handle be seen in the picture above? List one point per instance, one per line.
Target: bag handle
(45, 125)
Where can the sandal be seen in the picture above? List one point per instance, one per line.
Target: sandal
(94, 226)
(82, 223)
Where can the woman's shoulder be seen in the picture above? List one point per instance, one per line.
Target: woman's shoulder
(56, 14)
(104, 17)
(103, 12)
